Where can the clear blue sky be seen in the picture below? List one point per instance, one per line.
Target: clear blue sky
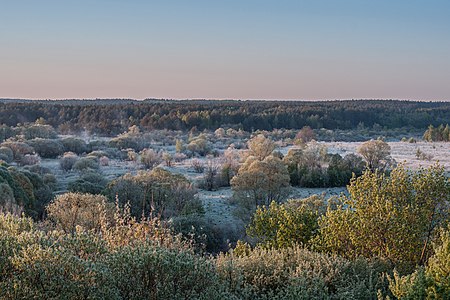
(305, 49)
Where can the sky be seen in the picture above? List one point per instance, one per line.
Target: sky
(233, 49)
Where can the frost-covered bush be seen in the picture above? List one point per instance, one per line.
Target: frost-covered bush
(296, 273)
(19, 149)
(74, 145)
(89, 182)
(150, 158)
(86, 163)
(6, 154)
(68, 160)
(30, 159)
(47, 148)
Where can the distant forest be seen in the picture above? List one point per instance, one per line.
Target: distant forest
(110, 117)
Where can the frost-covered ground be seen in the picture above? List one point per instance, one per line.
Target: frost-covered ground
(404, 152)
(218, 208)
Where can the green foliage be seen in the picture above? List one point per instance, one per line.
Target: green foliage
(156, 192)
(86, 163)
(306, 166)
(35, 264)
(393, 218)
(439, 134)
(47, 148)
(74, 145)
(261, 182)
(296, 273)
(89, 182)
(6, 154)
(340, 170)
(283, 225)
(94, 116)
(431, 282)
(42, 131)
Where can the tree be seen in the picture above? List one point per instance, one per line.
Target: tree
(260, 147)
(391, 217)
(283, 225)
(376, 153)
(150, 158)
(306, 165)
(73, 209)
(210, 175)
(305, 135)
(261, 182)
(157, 192)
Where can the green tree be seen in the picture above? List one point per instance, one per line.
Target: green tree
(261, 182)
(283, 225)
(392, 217)
(376, 153)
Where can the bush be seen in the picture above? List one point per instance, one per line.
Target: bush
(47, 148)
(77, 209)
(7, 201)
(39, 131)
(89, 182)
(296, 273)
(283, 225)
(150, 158)
(104, 161)
(74, 145)
(19, 149)
(198, 166)
(156, 192)
(87, 265)
(86, 163)
(30, 159)
(6, 154)
(68, 160)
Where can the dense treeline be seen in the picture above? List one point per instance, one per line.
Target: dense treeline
(115, 116)
(439, 134)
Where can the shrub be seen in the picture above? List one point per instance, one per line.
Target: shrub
(7, 201)
(68, 160)
(76, 209)
(30, 159)
(74, 145)
(261, 182)
(376, 153)
(104, 161)
(47, 148)
(198, 166)
(296, 273)
(6, 154)
(97, 153)
(39, 131)
(86, 163)
(19, 149)
(391, 217)
(150, 158)
(89, 182)
(156, 192)
(283, 226)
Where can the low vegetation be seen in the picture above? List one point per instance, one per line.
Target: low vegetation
(195, 202)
